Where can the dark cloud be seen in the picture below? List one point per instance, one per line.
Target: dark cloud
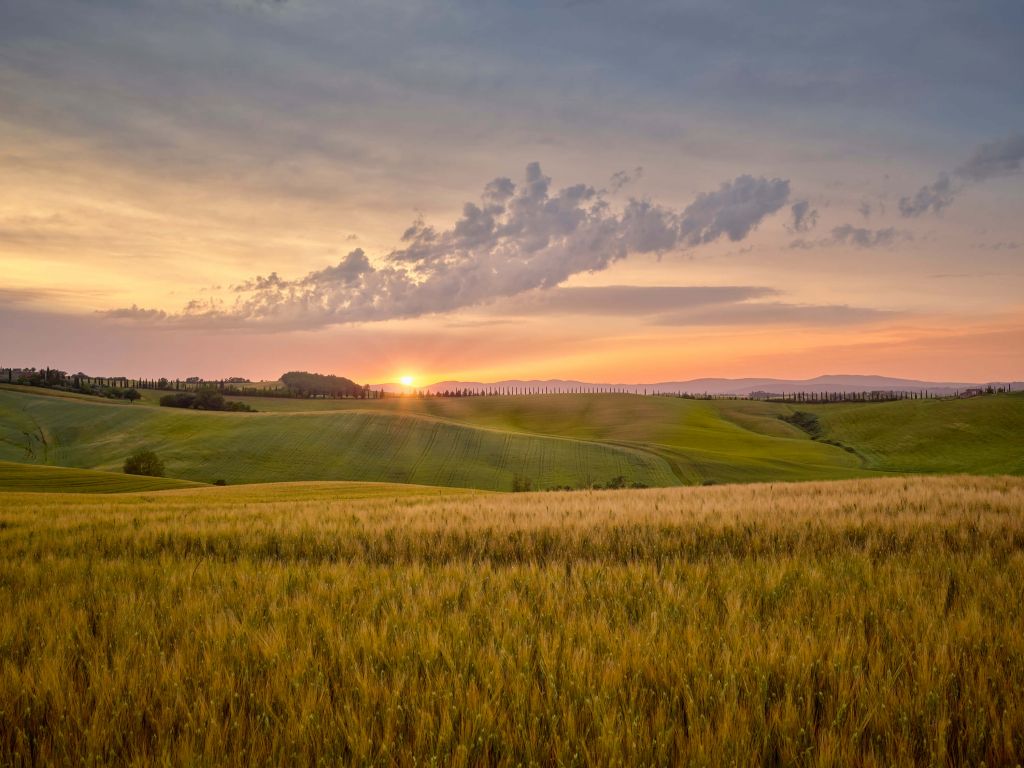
(861, 237)
(868, 238)
(995, 158)
(934, 197)
(517, 238)
(804, 217)
(620, 179)
(134, 313)
(1003, 157)
(733, 210)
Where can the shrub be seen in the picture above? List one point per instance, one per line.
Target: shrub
(178, 400)
(521, 484)
(808, 422)
(204, 400)
(144, 462)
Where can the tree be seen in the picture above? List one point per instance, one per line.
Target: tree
(144, 462)
(521, 484)
(132, 395)
(209, 400)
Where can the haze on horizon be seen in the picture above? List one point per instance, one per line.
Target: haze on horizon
(452, 190)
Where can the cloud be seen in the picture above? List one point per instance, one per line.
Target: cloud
(631, 300)
(1002, 157)
(868, 238)
(804, 217)
(134, 313)
(777, 313)
(516, 238)
(995, 158)
(1002, 245)
(685, 306)
(733, 210)
(47, 296)
(861, 237)
(867, 208)
(934, 197)
(620, 179)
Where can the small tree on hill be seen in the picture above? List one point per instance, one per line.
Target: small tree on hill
(144, 462)
(132, 395)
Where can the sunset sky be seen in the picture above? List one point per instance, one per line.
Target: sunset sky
(610, 191)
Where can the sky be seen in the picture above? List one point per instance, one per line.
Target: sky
(480, 190)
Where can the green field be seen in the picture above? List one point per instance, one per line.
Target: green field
(266, 447)
(866, 622)
(35, 477)
(553, 440)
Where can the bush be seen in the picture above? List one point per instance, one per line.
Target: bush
(521, 484)
(204, 400)
(209, 400)
(808, 422)
(220, 482)
(144, 462)
(178, 400)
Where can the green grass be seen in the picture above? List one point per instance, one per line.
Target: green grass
(37, 478)
(719, 441)
(554, 440)
(981, 435)
(268, 447)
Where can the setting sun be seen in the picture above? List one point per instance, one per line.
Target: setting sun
(406, 381)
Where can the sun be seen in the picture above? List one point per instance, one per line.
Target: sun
(406, 381)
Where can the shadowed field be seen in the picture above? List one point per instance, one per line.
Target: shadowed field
(870, 622)
(41, 478)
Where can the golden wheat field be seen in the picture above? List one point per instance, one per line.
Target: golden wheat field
(870, 622)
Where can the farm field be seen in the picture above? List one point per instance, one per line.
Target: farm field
(983, 435)
(41, 478)
(267, 447)
(552, 440)
(869, 622)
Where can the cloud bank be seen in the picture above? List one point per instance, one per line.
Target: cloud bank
(518, 237)
(860, 237)
(1003, 157)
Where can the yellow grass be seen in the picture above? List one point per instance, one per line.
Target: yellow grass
(872, 622)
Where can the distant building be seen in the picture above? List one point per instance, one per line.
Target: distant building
(973, 392)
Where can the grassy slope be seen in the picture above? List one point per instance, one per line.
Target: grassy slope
(982, 435)
(267, 447)
(36, 478)
(717, 440)
(482, 441)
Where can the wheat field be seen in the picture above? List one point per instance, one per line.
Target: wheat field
(871, 622)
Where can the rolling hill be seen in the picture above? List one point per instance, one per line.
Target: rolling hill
(341, 445)
(36, 477)
(553, 440)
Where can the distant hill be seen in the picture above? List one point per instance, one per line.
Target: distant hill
(711, 386)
